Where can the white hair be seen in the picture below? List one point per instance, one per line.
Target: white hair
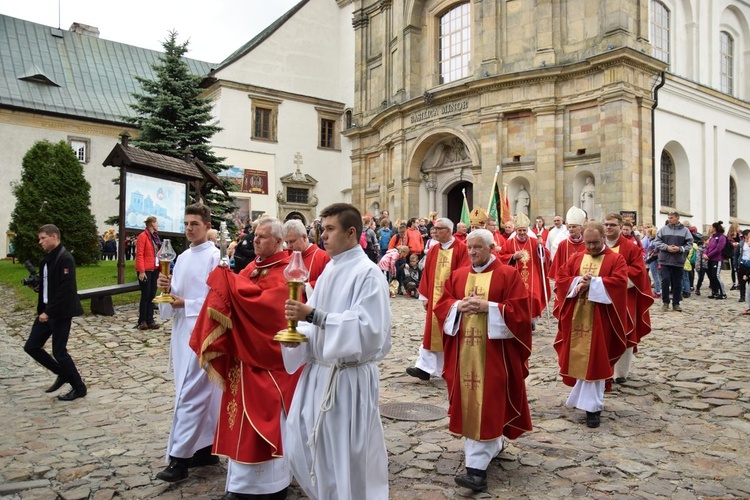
(481, 234)
(294, 226)
(446, 222)
(277, 229)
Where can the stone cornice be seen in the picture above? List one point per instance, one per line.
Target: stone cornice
(548, 75)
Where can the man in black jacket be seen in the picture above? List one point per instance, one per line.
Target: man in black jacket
(57, 304)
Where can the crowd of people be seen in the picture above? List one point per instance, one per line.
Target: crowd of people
(278, 407)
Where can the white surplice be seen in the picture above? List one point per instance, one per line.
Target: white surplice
(339, 453)
(196, 406)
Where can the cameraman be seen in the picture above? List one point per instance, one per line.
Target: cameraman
(57, 304)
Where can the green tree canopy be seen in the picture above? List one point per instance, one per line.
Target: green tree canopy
(172, 117)
(53, 190)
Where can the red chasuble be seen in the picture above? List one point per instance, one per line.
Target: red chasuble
(565, 251)
(233, 339)
(591, 337)
(485, 377)
(640, 297)
(499, 240)
(530, 268)
(315, 259)
(439, 265)
(544, 234)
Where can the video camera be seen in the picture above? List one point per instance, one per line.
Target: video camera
(33, 280)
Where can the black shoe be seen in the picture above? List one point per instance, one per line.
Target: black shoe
(592, 419)
(713, 296)
(177, 470)
(742, 299)
(59, 382)
(734, 287)
(697, 291)
(202, 458)
(474, 483)
(153, 326)
(620, 380)
(73, 394)
(418, 373)
(721, 297)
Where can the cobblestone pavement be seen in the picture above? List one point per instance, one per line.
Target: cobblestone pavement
(677, 429)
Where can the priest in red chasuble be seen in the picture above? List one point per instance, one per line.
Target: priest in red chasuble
(528, 255)
(591, 337)
(233, 339)
(567, 244)
(314, 257)
(442, 259)
(484, 313)
(640, 297)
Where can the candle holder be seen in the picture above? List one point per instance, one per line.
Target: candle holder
(296, 274)
(223, 244)
(165, 255)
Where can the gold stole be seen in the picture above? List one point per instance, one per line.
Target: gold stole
(583, 322)
(442, 271)
(473, 357)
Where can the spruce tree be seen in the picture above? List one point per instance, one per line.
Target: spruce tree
(53, 190)
(173, 117)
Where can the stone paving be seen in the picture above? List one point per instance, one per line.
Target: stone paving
(677, 429)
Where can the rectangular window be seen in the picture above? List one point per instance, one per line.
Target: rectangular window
(660, 31)
(327, 128)
(262, 129)
(296, 195)
(455, 44)
(265, 117)
(727, 63)
(80, 148)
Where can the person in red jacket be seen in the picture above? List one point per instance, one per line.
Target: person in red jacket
(147, 267)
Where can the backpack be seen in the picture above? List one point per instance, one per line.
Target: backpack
(728, 251)
(363, 239)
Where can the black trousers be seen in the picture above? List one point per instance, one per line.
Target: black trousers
(60, 363)
(713, 277)
(671, 278)
(148, 292)
(743, 274)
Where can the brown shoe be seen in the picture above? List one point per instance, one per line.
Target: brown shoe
(142, 326)
(153, 326)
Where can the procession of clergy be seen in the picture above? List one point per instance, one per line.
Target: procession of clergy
(310, 409)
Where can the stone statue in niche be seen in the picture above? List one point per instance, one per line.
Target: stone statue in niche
(588, 195)
(523, 201)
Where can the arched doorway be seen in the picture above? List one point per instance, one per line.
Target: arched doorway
(455, 200)
(296, 215)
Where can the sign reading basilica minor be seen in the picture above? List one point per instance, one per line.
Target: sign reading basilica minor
(445, 109)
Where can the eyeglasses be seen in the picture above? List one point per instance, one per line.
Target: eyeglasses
(436, 228)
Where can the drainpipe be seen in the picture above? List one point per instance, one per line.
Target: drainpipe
(653, 147)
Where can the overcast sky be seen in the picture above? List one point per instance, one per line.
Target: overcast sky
(215, 28)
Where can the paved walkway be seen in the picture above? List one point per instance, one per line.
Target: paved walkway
(677, 429)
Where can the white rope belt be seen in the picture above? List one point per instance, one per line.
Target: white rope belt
(329, 399)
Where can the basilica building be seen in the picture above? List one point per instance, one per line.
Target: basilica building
(587, 103)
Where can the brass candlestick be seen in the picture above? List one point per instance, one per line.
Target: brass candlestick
(165, 255)
(296, 274)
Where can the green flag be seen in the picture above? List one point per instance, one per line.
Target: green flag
(465, 210)
(495, 207)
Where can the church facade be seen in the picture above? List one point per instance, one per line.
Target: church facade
(559, 95)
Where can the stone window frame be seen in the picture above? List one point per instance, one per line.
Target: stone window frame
(660, 31)
(329, 115)
(271, 105)
(726, 62)
(294, 192)
(85, 143)
(440, 20)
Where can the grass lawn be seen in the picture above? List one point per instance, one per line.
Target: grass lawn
(96, 275)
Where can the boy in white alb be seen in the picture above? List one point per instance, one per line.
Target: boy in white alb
(196, 405)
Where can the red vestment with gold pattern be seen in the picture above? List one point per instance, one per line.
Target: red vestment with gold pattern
(530, 269)
(233, 338)
(486, 377)
(591, 336)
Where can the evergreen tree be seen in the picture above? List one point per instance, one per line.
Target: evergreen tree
(53, 190)
(172, 117)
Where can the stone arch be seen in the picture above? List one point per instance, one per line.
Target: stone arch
(431, 137)
(296, 215)
(682, 175)
(734, 22)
